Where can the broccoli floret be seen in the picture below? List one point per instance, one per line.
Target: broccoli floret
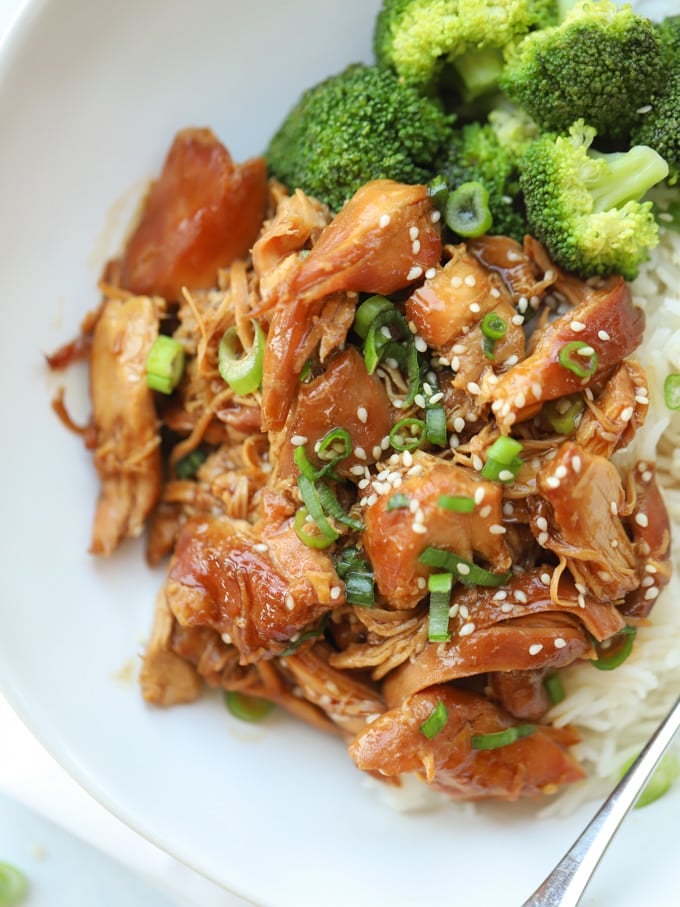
(585, 207)
(359, 125)
(490, 153)
(660, 124)
(429, 42)
(669, 32)
(601, 63)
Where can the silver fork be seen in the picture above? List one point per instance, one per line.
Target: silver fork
(565, 885)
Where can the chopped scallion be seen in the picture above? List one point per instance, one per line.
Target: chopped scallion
(439, 585)
(503, 461)
(501, 738)
(13, 885)
(187, 466)
(493, 326)
(552, 683)
(368, 311)
(242, 371)
(408, 434)
(438, 191)
(165, 364)
(614, 651)
(504, 450)
(309, 532)
(470, 575)
(246, 707)
(579, 357)
(467, 210)
(435, 721)
(435, 425)
(359, 588)
(563, 414)
(671, 391)
(456, 503)
(662, 778)
(397, 502)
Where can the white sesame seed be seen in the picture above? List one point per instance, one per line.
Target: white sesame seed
(537, 390)
(561, 472)
(290, 602)
(500, 596)
(517, 320)
(545, 579)
(643, 401)
(581, 600)
(521, 597)
(552, 482)
(359, 453)
(647, 582)
(467, 629)
(415, 246)
(455, 363)
(421, 582)
(644, 549)
(475, 308)
(430, 273)
(642, 520)
(576, 463)
(542, 524)
(376, 451)
(477, 463)
(560, 643)
(464, 612)
(644, 109)
(577, 326)
(261, 547)
(651, 593)
(480, 494)
(384, 221)
(362, 414)
(535, 648)
(453, 610)
(414, 273)
(585, 351)
(495, 292)
(463, 569)
(522, 304)
(364, 483)
(507, 607)
(508, 509)
(497, 529)
(413, 233)
(226, 638)
(506, 475)
(543, 539)
(407, 458)
(435, 217)
(456, 281)
(485, 511)
(614, 508)
(614, 543)
(298, 440)
(603, 335)
(627, 414)
(371, 499)
(470, 280)
(473, 388)
(436, 398)
(336, 592)
(580, 588)
(511, 360)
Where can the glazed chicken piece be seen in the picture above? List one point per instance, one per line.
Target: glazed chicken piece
(259, 586)
(516, 267)
(649, 527)
(383, 239)
(166, 678)
(533, 765)
(203, 212)
(521, 694)
(583, 521)
(395, 538)
(125, 430)
(611, 421)
(344, 396)
(606, 321)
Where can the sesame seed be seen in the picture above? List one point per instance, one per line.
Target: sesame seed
(430, 273)
(585, 351)
(521, 597)
(298, 440)
(485, 511)
(561, 472)
(644, 549)
(614, 508)
(643, 401)
(421, 582)
(603, 335)
(500, 596)
(508, 509)
(473, 388)
(505, 475)
(647, 582)
(581, 600)
(415, 246)
(497, 529)
(576, 463)
(384, 221)
(414, 273)
(376, 451)
(290, 602)
(642, 520)
(420, 401)
(552, 482)
(226, 638)
(407, 458)
(362, 414)
(517, 320)
(467, 629)
(543, 539)
(475, 308)
(435, 398)
(453, 610)
(477, 463)
(535, 648)
(455, 364)
(542, 524)
(644, 109)
(336, 592)
(470, 280)
(627, 414)
(560, 643)
(577, 326)
(435, 217)
(456, 281)
(413, 233)
(364, 483)
(464, 612)
(651, 593)
(261, 547)
(463, 569)
(522, 304)
(580, 588)
(545, 579)
(480, 494)
(537, 389)
(507, 607)
(614, 543)
(650, 568)
(359, 453)
(520, 400)
(511, 360)
(371, 499)
(495, 292)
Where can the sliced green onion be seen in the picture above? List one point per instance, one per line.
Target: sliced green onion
(456, 503)
(303, 463)
(662, 778)
(330, 440)
(368, 311)
(503, 462)
(438, 191)
(309, 532)
(615, 650)
(552, 683)
(671, 391)
(501, 738)
(399, 436)
(467, 210)
(579, 357)
(350, 559)
(333, 508)
(489, 348)
(246, 707)
(439, 585)
(165, 364)
(435, 425)
(563, 414)
(187, 466)
(397, 502)
(242, 371)
(13, 885)
(493, 326)
(379, 335)
(359, 588)
(466, 571)
(435, 722)
(311, 500)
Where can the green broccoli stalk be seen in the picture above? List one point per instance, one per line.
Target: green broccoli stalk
(659, 123)
(601, 63)
(490, 153)
(430, 42)
(359, 125)
(585, 207)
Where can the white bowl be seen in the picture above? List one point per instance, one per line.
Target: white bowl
(90, 97)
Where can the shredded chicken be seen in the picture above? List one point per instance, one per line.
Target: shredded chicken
(341, 538)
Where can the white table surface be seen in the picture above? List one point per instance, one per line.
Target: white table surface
(46, 818)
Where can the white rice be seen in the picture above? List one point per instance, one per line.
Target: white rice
(616, 712)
